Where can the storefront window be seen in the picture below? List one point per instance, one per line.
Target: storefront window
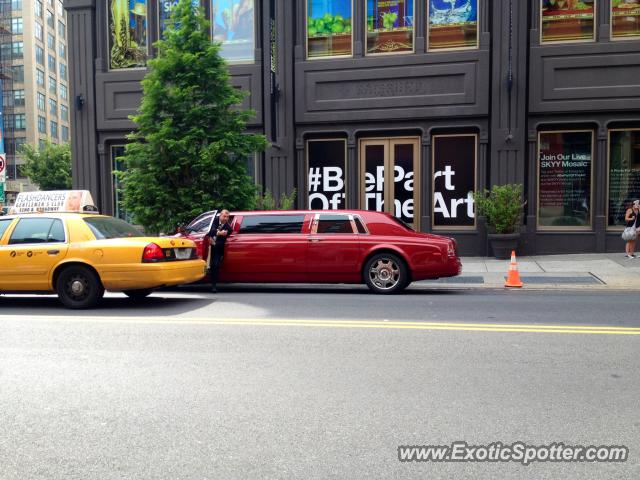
(452, 24)
(328, 28)
(567, 20)
(564, 179)
(389, 26)
(454, 180)
(165, 9)
(128, 40)
(625, 18)
(326, 166)
(234, 27)
(624, 173)
(118, 165)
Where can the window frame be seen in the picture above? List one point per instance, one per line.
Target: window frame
(306, 35)
(109, 40)
(266, 215)
(453, 228)
(427, 11)
(591, 226)
(613, 228)
(615, 38)
(379, 54)
(256, 19)
(560, 42)
(345, 169)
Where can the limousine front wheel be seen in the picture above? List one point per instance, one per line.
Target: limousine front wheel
(386, 273)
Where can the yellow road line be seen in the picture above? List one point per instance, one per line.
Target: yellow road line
(353, 324)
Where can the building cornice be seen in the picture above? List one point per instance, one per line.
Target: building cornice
(79, 4)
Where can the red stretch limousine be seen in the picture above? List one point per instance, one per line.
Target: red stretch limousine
(327, 247)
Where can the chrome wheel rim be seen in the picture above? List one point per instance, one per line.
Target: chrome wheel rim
(385, 274)
(78, 287)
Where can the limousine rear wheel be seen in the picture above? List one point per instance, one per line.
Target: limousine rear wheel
(386, 273)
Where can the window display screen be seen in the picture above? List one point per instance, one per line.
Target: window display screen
(564, 170)
(327, 188)
(233, 24)
(128, 36)
(453, 24)
(454, 180)
(329, 28)
(567, 20)
(165, 9)
(389, 26)
(625, 18)
(624, 173)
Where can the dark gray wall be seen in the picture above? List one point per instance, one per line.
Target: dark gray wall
(505, 91)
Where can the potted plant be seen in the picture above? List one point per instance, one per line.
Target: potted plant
(502, 206)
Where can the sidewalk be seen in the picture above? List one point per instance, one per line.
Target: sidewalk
(593, 271)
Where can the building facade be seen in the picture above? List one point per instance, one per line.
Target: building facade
(405, 106)
(36, 93)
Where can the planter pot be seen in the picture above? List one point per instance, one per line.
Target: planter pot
(503, 244)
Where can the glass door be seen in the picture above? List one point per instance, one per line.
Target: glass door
(388, 169)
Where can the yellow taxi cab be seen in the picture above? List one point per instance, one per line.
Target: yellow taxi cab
(67, 248)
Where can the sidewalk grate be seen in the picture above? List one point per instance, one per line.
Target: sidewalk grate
(581, 280)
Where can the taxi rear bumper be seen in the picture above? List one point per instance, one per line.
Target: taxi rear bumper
(151, 275)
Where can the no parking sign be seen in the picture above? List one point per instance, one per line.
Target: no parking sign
(3, 167)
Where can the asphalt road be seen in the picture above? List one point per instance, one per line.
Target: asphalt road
(306, 383)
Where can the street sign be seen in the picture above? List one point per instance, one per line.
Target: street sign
(3, 167)
(2, 199)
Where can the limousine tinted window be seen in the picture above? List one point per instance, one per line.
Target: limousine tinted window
(334, 224)
(272, 224)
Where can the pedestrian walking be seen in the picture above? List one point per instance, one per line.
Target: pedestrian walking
(630, 234)
(220, 231)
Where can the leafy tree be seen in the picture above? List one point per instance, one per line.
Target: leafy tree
(48, 167)
(187, 154)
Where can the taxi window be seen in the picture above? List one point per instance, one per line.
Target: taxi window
(273, 224)
(105, 228)
(334, 224)
(37, 230)
(4, 224)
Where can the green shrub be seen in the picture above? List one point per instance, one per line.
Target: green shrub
(502, 206)
(268, 202)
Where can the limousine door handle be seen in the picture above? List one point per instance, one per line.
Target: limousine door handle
(314, 240)
(53, 252)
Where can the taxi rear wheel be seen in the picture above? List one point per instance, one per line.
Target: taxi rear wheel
(79, 287)
(386, 273)
(138, 294)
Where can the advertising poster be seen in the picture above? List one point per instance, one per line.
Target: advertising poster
(327, 188)
(165, 9)
(453, 24)
(624, 173)
(128, 40)
(54, 201)
(454, 174)
(567, 20)
(625, 18)
(403, 182)
(233, 26)
(328, 28)
(389, 26)
(565, 166)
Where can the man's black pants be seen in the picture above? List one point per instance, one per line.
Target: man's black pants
(217, 256)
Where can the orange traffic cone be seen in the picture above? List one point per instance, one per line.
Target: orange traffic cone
(513, 279)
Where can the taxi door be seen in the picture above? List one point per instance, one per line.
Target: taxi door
(30, 251)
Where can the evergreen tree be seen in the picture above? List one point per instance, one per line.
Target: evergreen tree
(189, 152)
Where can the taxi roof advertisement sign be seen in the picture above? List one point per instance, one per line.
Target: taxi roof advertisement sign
(55, 201)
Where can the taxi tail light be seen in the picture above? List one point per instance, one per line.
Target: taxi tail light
(152, 253)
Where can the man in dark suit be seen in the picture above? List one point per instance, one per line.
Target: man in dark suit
(220, 231)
